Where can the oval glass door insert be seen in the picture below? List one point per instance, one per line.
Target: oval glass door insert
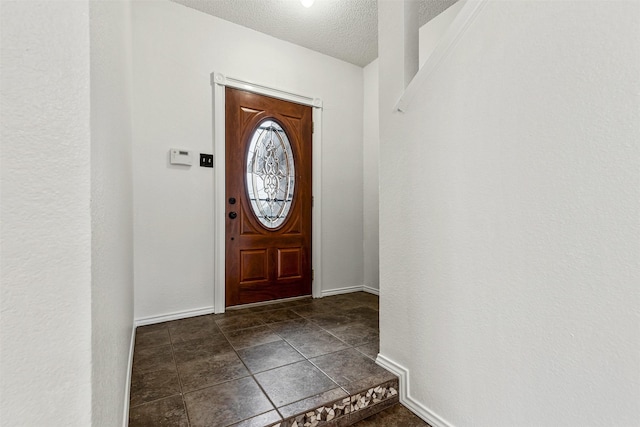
(270, 174)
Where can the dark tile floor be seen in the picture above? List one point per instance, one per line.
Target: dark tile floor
(395, 416)
(259, 366)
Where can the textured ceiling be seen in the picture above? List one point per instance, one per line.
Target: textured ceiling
(344, 29)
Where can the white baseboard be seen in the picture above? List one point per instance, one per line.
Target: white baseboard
(349, 289)
(369, 289)
(338, 291)
(127, 390)
(172, 316)
(405, 393)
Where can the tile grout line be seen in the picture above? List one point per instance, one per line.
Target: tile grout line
(154, 400)
(173, 356)
(310, 319)
(348, 394)
(250, 375)
(215, 385)
(330, 377)
(308, 360)
(305, 358)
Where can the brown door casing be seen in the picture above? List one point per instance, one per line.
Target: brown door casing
(264, 264)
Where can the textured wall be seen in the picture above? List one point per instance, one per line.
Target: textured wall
(111, 208)
(429, 36)
(45, 300)
(370, 159)
(510, 286)
(175, 49)
(431, 33)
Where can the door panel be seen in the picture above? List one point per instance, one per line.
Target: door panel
(268, 194)
(254, 265)
(290, 263)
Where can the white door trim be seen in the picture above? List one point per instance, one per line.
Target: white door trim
(218, 83)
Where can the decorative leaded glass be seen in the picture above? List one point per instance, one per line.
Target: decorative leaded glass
(270, 174)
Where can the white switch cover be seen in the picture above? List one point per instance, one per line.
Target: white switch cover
(181, 157)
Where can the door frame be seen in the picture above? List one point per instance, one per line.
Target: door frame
(218, 83)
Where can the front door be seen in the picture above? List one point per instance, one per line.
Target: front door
(268, 198)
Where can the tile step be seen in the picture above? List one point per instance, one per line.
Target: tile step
(348, 410)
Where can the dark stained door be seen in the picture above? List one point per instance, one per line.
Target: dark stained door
(268, 198)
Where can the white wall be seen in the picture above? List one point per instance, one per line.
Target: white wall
(370, 156)
(45, 300)
(510, 286)
(431, 33)
(175, 49)
(111, 208)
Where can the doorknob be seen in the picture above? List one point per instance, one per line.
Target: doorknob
(233, 215)
(232, 200)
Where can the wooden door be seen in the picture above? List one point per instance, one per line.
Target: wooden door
(268, 198)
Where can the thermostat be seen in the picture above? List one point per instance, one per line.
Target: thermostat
(181, 157)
